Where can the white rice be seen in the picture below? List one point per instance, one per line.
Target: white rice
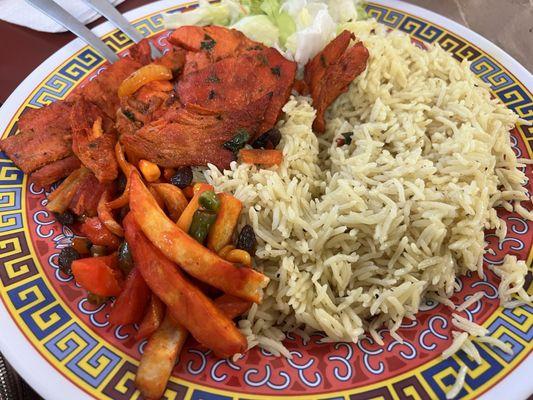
(459, 383)
(354, 237)
(459, 339)
(471, 300)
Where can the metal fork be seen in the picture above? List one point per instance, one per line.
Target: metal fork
(106, 9)
(62, 17)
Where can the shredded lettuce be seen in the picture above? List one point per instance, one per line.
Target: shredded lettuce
(298, 28)
(224, 13)
(280, 18)
(259, 28)
(252, 6)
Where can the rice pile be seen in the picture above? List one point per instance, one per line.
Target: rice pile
(354, 237)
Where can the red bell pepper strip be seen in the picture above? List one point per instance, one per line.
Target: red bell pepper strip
(130, 305)
(98, 234)
(99, 275)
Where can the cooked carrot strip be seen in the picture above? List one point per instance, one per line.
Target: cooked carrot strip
(185, 302)
(98, 233)
(226, 222)
(190, 255)
(261, 156)
(152, 318)
(105, 215)
(99, 275)
(139, 78)
(130, 304)
(184, 222)
(163, 347)
(173, 197)
(157, 197)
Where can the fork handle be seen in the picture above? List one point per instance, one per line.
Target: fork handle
(63, 18)
(106, 9)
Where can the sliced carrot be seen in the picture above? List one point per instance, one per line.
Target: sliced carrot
(190, 255)
(129, 307)
(228, 215)
(185, 302)
(184, 222)
(127, 168)
(99, 275)
(157, 197)
(261, 156)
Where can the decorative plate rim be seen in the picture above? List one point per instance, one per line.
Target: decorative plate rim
(25, 357)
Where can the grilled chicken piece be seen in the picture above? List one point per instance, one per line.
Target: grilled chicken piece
(149, 102)
(331, 71)
(45, 133)
(85, 200)
(174, 59)
(93, 139)
(102, 91)
(44, 137)
(55, 171)
(209, 44)
(153, 99)
(193, 135)
(235, 82)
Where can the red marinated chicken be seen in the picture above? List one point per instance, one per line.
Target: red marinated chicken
(193, 135)
(235, 82)
(331, 71)
(55, 171)
(209, 44)
(44, 137)
(93, 139)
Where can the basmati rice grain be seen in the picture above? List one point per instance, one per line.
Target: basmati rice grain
(458, 384)
(471, 300)
(459, 338)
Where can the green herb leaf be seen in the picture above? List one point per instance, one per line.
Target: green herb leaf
(347, 137)
(208, 43)
(238, 141)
